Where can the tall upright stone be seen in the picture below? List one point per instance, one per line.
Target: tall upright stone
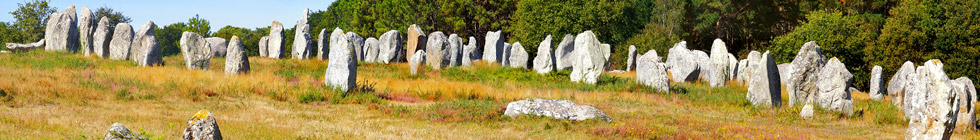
(832, 87)
(733, 66)
(86, 26)
(358, 42)
(518, 56)
(682, 63)
(563, 53)
(493, 47)
(416, 40)
(764, 89)
(719, 64)
(391, 48)
(899, 83)
(631, 59)
(342, 67)
(970, 88)
(100, 38)
(931, 103)
(966, 119)
(264, 46)
(371, 49)
(544, 61)
(504, 58)
(122, 38)
(196, 51)
(236, 62)
(589, 59)
(437, 52)
(277, 41)
(322, 45)
(415, 62)
(471, 52)
(219, 46)
(455, 50)
(801, 85)
(335, 40)
(302, 42)
(606, 53)
(704, 65)
(61, 31)
(651, 72)
(745, 75)
(876, 85)
(144, 50)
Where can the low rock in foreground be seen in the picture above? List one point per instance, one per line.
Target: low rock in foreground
(558, 109)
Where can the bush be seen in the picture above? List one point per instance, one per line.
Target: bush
(838, 35)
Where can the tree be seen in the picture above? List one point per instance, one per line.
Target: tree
(653, 37)
(198, 25)
(839, 35)
(247, 36)
(169, 37)
(30, 21)
(114, 17)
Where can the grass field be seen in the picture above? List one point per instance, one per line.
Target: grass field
(48, 95)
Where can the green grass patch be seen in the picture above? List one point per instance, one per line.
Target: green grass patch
(880, 112)
(502, 76)
(43, 60)
(463, 110)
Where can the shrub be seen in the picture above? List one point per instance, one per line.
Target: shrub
(839, 35)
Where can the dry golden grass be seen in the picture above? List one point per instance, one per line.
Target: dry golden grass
(69, 102)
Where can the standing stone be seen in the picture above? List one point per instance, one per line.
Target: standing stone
(493, 48)
(371, 50)
(237, 60)
(277, 41)
(545, 59)
(740, 73)
(651, 72)
(631, 59)
(122, 38)
(219, 46)
(933, 104)
(588, 63)
(342, 66)
(682, 64)
(832, 87)
(876, 84)
(145, 51)
(966, 119)
(390, 49)
(202, 126)
(322, 45)
(898, 83)
(704, 65)
(101, 38)
(558, 109)
(118, 131)
(86, 26)
(416, 40)
(416, 62)
(747, 74)
(606, 53)
(335, 40)
(471, 52)
(61, 31)
(455, 50)
(518, 56)
(719, 64)
(563, 54)
(196, 51)
(970, 88)
(302, 42)
(733, 66)
(264, 46)
(764, 89)
(358, 43)
(437, 53)
(801, 85)
(784, 70)
(807, 112)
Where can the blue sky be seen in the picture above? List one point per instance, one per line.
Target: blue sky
(238, 13)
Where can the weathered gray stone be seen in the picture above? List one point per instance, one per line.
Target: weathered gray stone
(219, 46)
(197, 51)
(558, 109)
(371, 50)
(100, 38)
(471, 52)
(563, 53)
(455, 50)
(876, 84)
(236, 61)
(122, 38)
(118, 131)
(801, 84)
(358, 43)
(202, 126)
(342, 67)
(970, 88)
(416, 40)
(517, 57)
(493, 48)
(277, 41)
(61, 31)
(26, 47)
(437, 52)
(545, 59)
(264, 46)
(807, 112)
(390, 49)
(416, 62)
(335, 40)
(631, 59)
(747, 74)
(145, 51)
(740, 72)
(899, 82)
(651, 72)
(704, 65)
(931, 103)
(681, 63)
(302, 42)
(506, 54)
(718, 64)
(832, 87)
(784, 70)
(588, 61)
(322, 45)
(764, 87)
(733, 66)
(86, 26)
(966, 119)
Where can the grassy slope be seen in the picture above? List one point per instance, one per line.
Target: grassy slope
(67, 96)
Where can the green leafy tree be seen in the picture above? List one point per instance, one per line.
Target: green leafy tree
(169, 37)
(198, 25)
(248, 38)
(839, 35)
(114, 17)
(652, 37)
(30, 21)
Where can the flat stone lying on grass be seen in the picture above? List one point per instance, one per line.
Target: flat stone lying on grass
(202, 126)
(197, 51)
(589, 61)
(558, 109)
(25, 47)
(118, 131)
(236, 61)
(416, 62)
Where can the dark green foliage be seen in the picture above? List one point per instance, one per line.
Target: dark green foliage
(652, 37)
(613, 22)
(114, 17)
(250, 38)
(198, 25)
(838, 35)
(30, 22)
(169, 37)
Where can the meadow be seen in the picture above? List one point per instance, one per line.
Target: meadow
(52, 95)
